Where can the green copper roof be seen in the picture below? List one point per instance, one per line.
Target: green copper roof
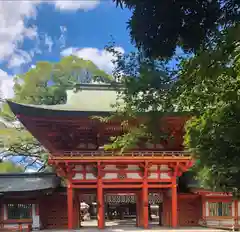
(88, 99)
(91, 100)
(95, 98)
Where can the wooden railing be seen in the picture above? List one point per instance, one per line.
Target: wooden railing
(124, 154)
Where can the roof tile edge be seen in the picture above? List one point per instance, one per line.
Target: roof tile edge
(105, 86)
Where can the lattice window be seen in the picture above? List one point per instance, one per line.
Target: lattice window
(220, 209)
(19, 211)
(116, 199)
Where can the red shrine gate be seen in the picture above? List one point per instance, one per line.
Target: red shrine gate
(74, 142)
(141, 173)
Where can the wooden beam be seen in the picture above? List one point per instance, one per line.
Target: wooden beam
(84, 186)
(122, 186)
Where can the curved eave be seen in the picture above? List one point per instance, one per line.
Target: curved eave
(47, 111)
(28, 182)
(51, 111)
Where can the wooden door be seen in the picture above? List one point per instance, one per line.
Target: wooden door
(53, 212)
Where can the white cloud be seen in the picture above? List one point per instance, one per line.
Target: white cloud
(69, 51)
(49, 42)
(102, 58)
(6, 85)
(19, 58)
(13, 29)
(76, 5)
(62, 39)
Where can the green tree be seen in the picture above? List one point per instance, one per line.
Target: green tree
(146, 88)
(209, 85)
(9, 167)
(45, 84)
(157, 27)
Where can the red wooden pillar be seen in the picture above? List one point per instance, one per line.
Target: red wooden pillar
(100, 200)
(145, 205)
(145, 197)
(70, 206)
(236, 213)
(174, 203)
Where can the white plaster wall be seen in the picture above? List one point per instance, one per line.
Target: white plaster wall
(153, 176)
(133, 176)
(78, 176)
(153, 167)
(110, 167)
(90, 176)
(164, 167)
(110, 176)
(133, 167)
(164, 176)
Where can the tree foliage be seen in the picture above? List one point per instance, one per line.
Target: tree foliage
(158, 26)
(145, 88)
(45, 84)
(209, 85)
(9, 167)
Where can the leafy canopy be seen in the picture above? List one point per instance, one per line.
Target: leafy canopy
(146, 88)
(158, 26)
(45, 84)
(209, 85)
(9, 167)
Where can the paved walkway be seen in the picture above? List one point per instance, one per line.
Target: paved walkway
(129, 226)
(126, 229)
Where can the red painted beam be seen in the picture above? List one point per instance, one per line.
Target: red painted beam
(121, 186)
(86, 186)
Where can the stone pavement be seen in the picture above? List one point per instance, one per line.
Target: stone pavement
(131, 229)
(129, 226)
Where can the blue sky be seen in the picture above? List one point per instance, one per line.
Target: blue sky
(33, 31)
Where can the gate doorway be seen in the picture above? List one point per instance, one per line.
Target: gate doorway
(120, 209)
(88, 210)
